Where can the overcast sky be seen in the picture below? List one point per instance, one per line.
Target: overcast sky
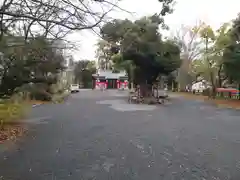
(213, 12)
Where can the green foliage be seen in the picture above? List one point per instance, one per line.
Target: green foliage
(231, 55)
(35, 61)
(142, 46)
(41, 95)
(211, 64)
(200, 68)
(127, 65)
(222, 37)
(207, 32)
(232, 62)
(83, 71)
(187, 38)
(37, 91)
(103, 53)
(166, 7)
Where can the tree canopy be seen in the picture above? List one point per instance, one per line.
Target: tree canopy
(231, 54)
(190, 44)
(83, 71)
(141, 43)
(35, 61)
(30, 31)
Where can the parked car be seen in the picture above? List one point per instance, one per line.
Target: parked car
(74, 88)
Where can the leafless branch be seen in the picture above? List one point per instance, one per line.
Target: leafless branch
(72, 15)
(189, 42)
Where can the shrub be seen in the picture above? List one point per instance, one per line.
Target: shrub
(53, 89)
(36, 91)
(41, 95)
(19, 97)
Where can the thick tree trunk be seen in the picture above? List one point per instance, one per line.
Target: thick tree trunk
(219, 76)
(220, 79)
(214, 92)
(145, 90)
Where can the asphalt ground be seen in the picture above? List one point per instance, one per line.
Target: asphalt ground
(97, 135)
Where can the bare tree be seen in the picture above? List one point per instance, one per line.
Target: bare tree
(191, 48)
(55, 17)
(103, 54)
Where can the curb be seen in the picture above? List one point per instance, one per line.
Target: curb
(35, 105)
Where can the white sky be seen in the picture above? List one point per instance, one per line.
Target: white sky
(213, 12)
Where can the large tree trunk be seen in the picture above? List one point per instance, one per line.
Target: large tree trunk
(219, 76)
(214, 90)
(220, 79)
(145, 90)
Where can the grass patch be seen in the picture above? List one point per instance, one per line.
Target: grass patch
(12, 113)
(228, 103)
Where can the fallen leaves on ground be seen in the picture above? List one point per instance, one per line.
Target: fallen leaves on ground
(192, 96)
(11, 132)
(229, 103)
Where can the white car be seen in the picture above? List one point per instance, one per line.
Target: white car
(74, 88)
(198, 87)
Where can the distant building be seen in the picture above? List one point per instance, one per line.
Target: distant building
(59, 46)
(108, 80)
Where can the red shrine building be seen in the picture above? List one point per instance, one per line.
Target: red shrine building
(106, 79)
